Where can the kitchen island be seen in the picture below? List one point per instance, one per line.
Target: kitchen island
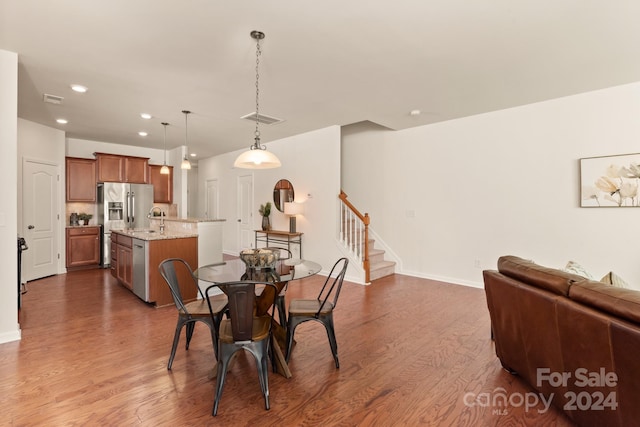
(136, 255)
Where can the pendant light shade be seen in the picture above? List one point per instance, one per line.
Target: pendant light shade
(257, 157)
(164, 170)
(186, 164)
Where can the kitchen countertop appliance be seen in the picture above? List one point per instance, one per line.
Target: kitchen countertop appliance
(122, 206)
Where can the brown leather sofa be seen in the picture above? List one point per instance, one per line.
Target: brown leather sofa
(568, 337)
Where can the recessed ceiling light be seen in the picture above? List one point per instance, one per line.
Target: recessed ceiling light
(142, 133)
(193, 154)
(62, 121)
(415, 112)
(145, 116)
(79, 88)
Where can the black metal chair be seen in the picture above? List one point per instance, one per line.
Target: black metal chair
(282, 269)
(206, 310)
(242, 330)
(319, 309)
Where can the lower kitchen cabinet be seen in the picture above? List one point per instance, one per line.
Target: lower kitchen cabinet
(124, 260)
(83, 247)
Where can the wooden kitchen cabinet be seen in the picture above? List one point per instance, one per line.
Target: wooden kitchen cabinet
(124, 261)
(136, 170)
(117, 168)
(80, 180)
(83, 247)
(162, 184)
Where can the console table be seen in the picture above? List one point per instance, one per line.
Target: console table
(280, 238)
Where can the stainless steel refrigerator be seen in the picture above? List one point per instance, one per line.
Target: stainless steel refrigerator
(122, 206)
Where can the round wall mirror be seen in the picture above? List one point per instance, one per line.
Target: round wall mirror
(282, 192)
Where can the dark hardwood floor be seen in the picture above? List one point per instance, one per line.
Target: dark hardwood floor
(412, 352)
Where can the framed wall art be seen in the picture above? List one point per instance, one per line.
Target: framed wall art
(610, 181)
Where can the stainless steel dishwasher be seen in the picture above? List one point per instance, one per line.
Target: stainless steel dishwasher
(140, 277)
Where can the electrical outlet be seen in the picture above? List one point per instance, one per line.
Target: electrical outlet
(476, 263)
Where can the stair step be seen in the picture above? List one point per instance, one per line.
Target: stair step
(376, 256)
(382, 269)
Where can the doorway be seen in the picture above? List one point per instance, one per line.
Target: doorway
(245, 212)
(40, 219)
(211, 198)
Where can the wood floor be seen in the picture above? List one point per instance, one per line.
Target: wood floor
(412, 352)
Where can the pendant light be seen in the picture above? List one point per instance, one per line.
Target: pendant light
(164, 170)
(185, 162)
(257, 157)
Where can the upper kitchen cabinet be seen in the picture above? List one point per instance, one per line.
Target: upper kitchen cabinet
(162, 184)
(117, 168)
(80, 180)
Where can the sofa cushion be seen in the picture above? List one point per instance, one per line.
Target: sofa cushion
(575, 268)
(551, 279)
(613, 279)
(622, 303)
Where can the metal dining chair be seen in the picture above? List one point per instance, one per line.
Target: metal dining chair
(242, 330)
(282, 269)
(206, 310)
(319, 309)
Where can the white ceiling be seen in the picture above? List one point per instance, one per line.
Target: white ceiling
(329, 62)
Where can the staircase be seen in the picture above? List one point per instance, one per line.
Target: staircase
(354, 235)
(378, 267)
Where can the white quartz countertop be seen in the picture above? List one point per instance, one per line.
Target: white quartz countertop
(176, 219)
(152, 234)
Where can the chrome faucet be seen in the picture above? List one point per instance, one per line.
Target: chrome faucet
(161, 217)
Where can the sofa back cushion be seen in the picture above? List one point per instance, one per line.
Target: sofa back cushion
(550, 279)
(622, 303)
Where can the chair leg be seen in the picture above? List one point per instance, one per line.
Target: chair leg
(260, 354)
(176, 339)
(190, 326)
(291, 329)
(223, 364)
(328, 324)
(282, 314)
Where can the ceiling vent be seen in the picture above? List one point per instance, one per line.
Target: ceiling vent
(52, 99)
(266, 120)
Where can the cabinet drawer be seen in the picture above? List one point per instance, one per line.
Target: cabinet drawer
(83, 231)
(125, 241)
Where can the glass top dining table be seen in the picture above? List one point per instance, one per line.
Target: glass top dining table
(235, 270)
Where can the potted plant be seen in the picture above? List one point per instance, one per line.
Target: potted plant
(265, 211)
(85, 217)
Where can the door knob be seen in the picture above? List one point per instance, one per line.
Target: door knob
(239, 220)
(31, 227)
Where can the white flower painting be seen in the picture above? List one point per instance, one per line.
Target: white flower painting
(610, 181)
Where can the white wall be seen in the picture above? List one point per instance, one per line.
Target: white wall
(42, 143)
(311, 162)
(85, 148)
(452, 197)
(9, 328)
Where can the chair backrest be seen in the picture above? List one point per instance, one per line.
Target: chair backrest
(331, 289)
(241, 296)
(172, 268)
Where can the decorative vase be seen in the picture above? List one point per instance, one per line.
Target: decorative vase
(266, 224)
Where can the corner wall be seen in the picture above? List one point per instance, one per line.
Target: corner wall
(9, 328)
(452, 197)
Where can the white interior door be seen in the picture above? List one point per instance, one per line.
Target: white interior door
(40, 219)
(211, 196)
(245, 212)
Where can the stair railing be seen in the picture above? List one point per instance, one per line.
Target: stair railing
(354, 233)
